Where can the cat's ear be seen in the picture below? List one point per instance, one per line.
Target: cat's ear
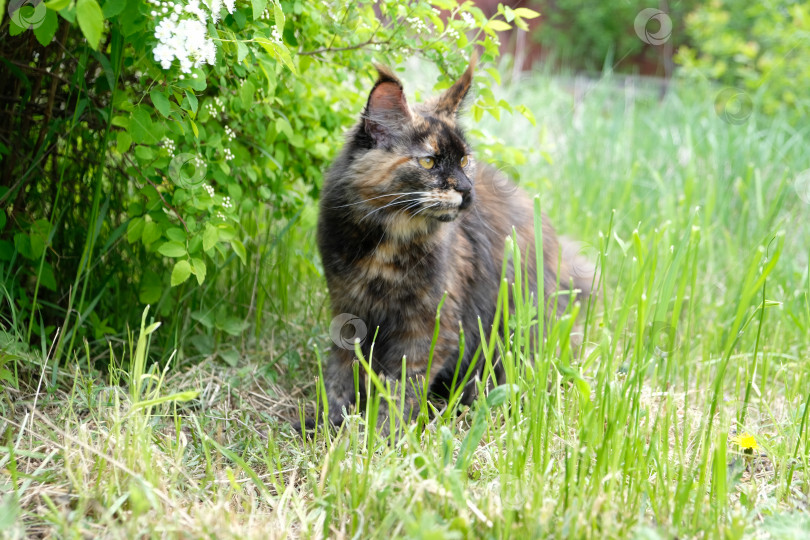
(450, 101)
(387, 112)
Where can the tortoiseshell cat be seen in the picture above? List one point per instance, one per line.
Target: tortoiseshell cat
(406, 214)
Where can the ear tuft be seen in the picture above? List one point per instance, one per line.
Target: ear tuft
(386, 74)
(387, 112)
(450, 101)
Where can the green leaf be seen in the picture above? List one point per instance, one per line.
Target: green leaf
(47, 277)
(180, 272)
(241, 51)
(232, 325)
(141, 126)
(205, 318)
(173, 249)
(151, 288)
(239, 249)
(57, 5)
(161, 102)
(498, 25)
(135, 229)
(9, 512)
(6, 250)
(39, 237)
(22, 243)
(45, 31)
(472, 439)
(283, 126)
(188, 395)
(176, 234)
(498, 395)
(2, 219)
(113, 7)
(522, 109)
(151, 233)
(279, 52)
(199, 269)
(144, 153)
(225, 232)
(14, 30)
(583, 388)
(508, 14)
(258, 8)
(230, 357)
(210, 237)
(278, 15)
(246, 93)
(121, 121)
(526, 13)
(192, 101)
(123, 141)
(91, 21)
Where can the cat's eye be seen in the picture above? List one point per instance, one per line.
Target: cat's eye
(464, 161)
(427, 162)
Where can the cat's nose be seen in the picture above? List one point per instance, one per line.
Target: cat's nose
(462, 184)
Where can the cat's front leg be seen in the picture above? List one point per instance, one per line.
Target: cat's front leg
(339, 383)
(404, 390)
(400, 408)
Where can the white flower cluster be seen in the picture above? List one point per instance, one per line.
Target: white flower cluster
(220, 215)
(226, 203)
(229, 133)
(468, 19)
(275, 36)
(209, 190)
(212, 107)
(228, 154)
(417, 24)
(182, 34)
(168, 144)
(452, 32)
(496, 40)
(265, 14)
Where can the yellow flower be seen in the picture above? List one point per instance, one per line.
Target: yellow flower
(746, 442)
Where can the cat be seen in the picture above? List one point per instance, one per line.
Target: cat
(407, 214)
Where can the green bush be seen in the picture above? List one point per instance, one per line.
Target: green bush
(759, 47)
(169, 153)
(588, 36)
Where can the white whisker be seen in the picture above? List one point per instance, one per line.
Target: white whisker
(434, 205)
(392, 203)
(380, 197)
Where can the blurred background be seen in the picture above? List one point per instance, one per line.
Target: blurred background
(163, 309)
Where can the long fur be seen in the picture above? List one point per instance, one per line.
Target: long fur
(395, 235)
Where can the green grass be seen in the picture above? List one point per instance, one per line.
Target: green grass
(700, 334)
